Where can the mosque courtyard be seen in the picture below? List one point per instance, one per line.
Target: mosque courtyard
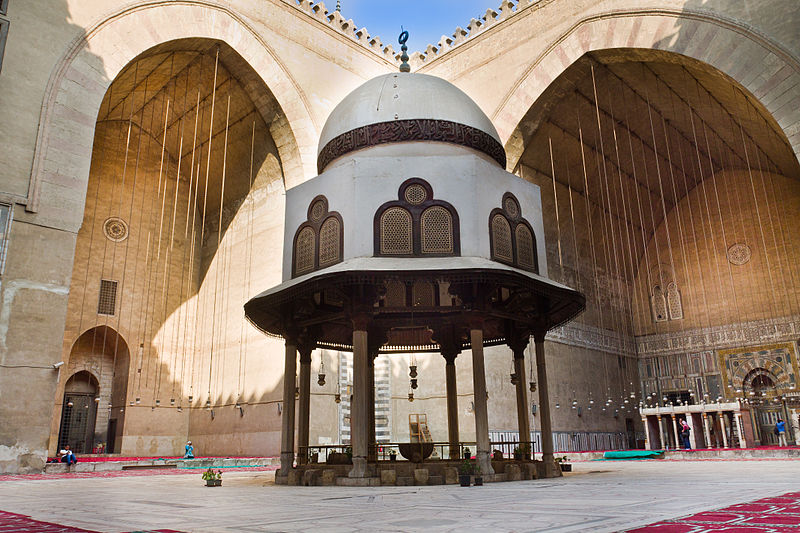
(596, 496)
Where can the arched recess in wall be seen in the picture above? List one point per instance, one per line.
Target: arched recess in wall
(90, 406)
(625, 135)
(97, 57)
(762, 67)
(184, 185)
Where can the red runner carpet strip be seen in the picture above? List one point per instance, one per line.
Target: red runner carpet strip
(777, 514)
(130, 473)
(17, 523)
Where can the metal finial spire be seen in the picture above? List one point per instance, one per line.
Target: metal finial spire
(338, 5)
(404, 66)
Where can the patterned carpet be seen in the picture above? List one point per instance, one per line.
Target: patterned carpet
(17, 523)
(777, 514)
(130, 473)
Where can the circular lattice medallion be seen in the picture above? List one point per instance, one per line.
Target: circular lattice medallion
(317, 210)
(416, 194)
(739, 253)
(115, 229)
(511, 207)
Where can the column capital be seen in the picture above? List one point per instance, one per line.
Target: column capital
(361, 321)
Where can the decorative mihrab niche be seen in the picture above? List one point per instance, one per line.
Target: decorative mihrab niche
(772, 367)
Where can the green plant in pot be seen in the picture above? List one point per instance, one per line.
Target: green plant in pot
(465, 473)
(478, 475)
(212, 478)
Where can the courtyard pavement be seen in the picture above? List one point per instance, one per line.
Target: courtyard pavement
(597, 496)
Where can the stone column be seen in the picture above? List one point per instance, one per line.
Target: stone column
(661, 434)
(304, 404)
(740, 430)
(675, 432)
(287, 415)
(523, 413)
(706, 432)
(544, 406)
(693, 440)
(372, 455)
(648, 442)
(479, 391)
(452, 403)
(723, 429)
(359, 410)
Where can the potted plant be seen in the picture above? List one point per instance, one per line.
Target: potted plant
(478, 475)
(465, 473)
(518, 454)
(563, 464)
(213, 479)
(497, 455)
(392, 455)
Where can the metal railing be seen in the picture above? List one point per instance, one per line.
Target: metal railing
(385, 451)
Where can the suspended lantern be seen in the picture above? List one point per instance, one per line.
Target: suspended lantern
(70, 404)
(190, 397)
(208, 404)
(97, 399)
(412, 371)
(532, 386)
(413, 383)
(558, 406)
(172, 401)
(514, 379)
(321, 374)
(138, 401)
(337, 398)
(158, 402)
(410, 396)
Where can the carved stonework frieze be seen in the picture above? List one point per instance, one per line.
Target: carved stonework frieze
(728, 336)
(411, 130)
(585, 336)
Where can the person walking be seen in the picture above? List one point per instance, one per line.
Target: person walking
(685, 429)
(780, 429)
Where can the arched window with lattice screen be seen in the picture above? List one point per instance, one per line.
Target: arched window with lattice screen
(330, 236)
(304, 247)
(511, 237)
(396, 232)
(395, 294)
(658, 304)
(319, 241)
(416, 224)
(437, 231)
(502, 247)
(423, 294)
(674, 304)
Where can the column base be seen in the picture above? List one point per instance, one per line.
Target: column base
(485, 463)
(359, 468)
(287, 463)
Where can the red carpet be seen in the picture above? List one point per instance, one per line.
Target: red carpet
(128, 473)
(17, 523)
(777, 514)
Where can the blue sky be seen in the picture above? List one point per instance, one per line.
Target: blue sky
(425, 20)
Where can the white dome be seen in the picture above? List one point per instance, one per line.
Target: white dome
(403, 96)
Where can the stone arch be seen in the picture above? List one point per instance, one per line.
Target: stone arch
(731, 48)
(81, 78)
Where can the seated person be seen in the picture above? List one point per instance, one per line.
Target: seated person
(189, 451)
(68, 457)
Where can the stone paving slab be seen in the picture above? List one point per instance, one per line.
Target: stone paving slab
(597, 496)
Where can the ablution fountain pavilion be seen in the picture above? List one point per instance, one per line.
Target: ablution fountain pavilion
(412, 238)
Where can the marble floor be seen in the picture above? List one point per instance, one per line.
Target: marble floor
(597, 496)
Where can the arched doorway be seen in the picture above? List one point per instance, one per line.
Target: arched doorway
(78, 416)
(760, 388)
(91, 410)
